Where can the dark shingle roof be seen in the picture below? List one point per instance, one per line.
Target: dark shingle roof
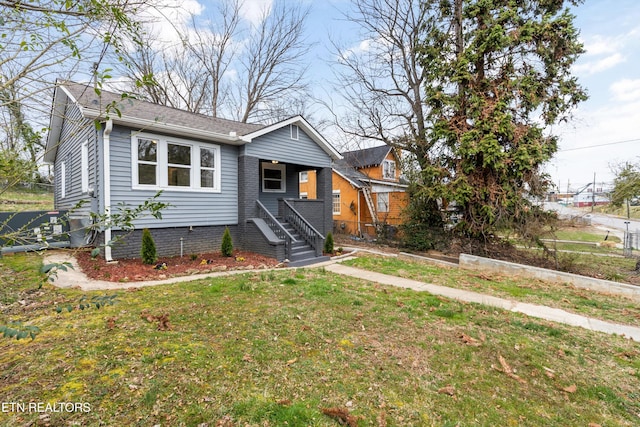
(356, 177)
(366, 157)
(139, 109)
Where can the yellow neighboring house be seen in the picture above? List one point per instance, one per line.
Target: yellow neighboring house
(367, 192)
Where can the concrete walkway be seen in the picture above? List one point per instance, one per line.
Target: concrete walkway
(533, 310)
(75, 278)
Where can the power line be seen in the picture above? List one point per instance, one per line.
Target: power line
(600, 145)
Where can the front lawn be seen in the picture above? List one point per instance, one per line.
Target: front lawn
(304, 348)
(617, 309)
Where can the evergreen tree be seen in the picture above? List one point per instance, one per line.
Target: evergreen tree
(328, 244)
(227, 243)
(148, 252)
(499, 74)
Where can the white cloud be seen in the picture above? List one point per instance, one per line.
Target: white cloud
(169, 18)
(601, 45)
(593, 67)
(626, 90)
(255, 10)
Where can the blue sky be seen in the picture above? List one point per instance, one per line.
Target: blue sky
(609, 70)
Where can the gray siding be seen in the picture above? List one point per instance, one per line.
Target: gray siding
(188, 208)
(75, 131)
(278, 145)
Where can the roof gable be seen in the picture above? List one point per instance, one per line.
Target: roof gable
(305, 126)
(367, 157)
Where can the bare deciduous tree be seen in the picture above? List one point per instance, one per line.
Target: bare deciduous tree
(226, 68)
(47, 39)
(381, 80)
(272, 66)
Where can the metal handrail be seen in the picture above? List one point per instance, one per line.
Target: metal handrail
(276, 227)
(304, 227)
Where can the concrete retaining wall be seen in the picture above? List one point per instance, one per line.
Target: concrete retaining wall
(472, 262)
(427, 260)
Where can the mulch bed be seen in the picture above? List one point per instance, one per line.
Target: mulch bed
(133, 270)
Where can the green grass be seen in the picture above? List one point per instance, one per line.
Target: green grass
(275, 348)
(585, 235)
(18, 200)
(564, 296)
(634, 211)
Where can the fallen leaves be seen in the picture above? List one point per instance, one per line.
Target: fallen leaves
(342, 415)
(161, 319)
(448, 390)
(508, 370)
(111, 323)
(469, 340)
(291, 361)
(570, 389)
(550, 373)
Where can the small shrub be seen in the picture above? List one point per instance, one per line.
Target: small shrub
(227, 243)
(193, 257)
(328, 243)
(148, 252)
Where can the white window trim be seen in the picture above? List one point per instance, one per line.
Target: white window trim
(84, 163)
(306, 176)
(295, 131)
(275, 166)
(339, 211)
(304, 195)
(162, 165)
(63, 180)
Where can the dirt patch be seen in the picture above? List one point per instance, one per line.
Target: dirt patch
(133, 270)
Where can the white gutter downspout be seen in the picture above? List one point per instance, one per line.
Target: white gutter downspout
(106, 180)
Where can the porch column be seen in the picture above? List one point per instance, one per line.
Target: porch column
(248, 189)
(324, 191)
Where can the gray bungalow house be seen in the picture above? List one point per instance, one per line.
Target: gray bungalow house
(215, 173)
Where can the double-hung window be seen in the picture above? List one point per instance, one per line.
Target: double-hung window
(174, 164)
(208, 168)
(178, 165)
(147, 163)
(336, 203)
(382, 202)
